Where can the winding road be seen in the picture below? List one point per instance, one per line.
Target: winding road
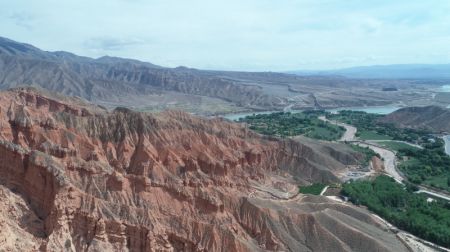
(350, 131)
(390, 161)
(390, 167)
(389, 157)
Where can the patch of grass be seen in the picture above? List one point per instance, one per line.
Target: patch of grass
(371, 135)
(314, 189)
(441, 182)
(324, 133)
(411, 162)
(396, 146)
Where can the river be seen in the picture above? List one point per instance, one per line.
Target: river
(447, 144)
(382, 110)
(446, 89)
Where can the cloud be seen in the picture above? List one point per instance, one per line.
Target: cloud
(235, 34)
(22, 19)
(372, 25)
(112, 44)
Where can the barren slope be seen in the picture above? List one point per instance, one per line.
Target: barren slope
(91, 180)
(125, 82)
(436, 119)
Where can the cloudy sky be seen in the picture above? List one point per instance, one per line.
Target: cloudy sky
(258, 35)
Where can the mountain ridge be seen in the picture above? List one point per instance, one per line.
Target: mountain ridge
(112, 81)
(392, 71)
(109, 77)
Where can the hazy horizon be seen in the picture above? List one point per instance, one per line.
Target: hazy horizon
(248, 36)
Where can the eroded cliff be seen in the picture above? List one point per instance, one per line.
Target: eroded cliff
(76, 177)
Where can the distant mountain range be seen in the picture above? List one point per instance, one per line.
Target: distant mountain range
(112, 82)
(110, 79)
(405, 71)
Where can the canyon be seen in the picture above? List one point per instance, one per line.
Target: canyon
(77, 177)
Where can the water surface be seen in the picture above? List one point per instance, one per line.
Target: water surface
(445, 88)
(447, 144)
(382, 110)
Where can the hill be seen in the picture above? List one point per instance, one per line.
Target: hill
(434, 118)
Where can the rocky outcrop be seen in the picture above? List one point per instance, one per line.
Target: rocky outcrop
(92, 180)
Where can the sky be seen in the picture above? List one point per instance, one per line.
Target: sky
(249, 35)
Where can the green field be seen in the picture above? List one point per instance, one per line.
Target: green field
(324, 133)
(396, 146)
(371, 135)
(441, 182)
(294, 124)
(314, 189)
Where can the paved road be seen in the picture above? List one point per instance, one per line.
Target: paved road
(350, 131)
(432, 193)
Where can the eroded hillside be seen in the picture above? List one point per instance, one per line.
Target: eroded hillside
(76, 177)
(112, 82)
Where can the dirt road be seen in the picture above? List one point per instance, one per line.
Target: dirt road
(350, 131)
(389, 160)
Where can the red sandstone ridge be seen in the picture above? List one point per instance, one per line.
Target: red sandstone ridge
(75, 177)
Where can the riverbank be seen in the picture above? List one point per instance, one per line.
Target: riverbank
(382, 110)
